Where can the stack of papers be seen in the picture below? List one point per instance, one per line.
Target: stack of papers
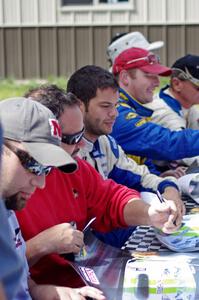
(186, 239)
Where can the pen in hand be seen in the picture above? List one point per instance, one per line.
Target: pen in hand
(88, 224)
(71, 256)
(162, 200)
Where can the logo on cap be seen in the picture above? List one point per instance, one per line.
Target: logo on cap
(55, 128)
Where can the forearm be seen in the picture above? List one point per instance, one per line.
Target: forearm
(43, 292)
(60, 238)
(171, 193)
(35, 249)
(136, 212)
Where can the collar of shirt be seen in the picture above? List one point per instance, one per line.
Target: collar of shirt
(96, 152)
(170, 101)
(133, 103)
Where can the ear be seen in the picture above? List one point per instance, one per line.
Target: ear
(177, 84)
(124, 77)
(82, 107)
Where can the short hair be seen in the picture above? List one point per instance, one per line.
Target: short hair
(117, 36)
(177, 73)
(85, 82)
(53, 97)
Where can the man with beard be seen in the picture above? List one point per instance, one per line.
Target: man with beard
(95, 87)
(32, 138)
(11, 266)
(78, 198)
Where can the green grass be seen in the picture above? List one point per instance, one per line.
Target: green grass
(16, 88)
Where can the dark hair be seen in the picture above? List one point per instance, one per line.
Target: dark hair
(53, 98)
(85, 82)
(117, 36)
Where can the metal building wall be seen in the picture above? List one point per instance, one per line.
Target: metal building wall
(38, 38)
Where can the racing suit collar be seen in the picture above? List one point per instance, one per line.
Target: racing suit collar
(170, 101)
(96, 152)
(133, 103)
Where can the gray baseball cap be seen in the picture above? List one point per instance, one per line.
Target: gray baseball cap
(36, 127)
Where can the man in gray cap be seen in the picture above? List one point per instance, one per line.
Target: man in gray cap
(11, 266)
(32, 138)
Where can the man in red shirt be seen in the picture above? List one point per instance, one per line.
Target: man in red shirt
(77, 198)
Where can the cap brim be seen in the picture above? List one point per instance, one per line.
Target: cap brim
(156, 69)
(51, 155)
(155, 45)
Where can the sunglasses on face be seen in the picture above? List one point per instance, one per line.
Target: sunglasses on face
(72, 139)
(28, 162)
(151, 59)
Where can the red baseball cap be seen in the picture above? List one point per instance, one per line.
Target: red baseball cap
(138, 58)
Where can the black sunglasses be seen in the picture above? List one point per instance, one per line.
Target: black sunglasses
(72, 139)
(28, 162)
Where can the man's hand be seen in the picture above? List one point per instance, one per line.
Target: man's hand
(60, 239)
(173, 194)
(63, 238)
(163, 216)
(50, 292)
(177, 173)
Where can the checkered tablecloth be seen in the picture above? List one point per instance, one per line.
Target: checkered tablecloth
(143, 238)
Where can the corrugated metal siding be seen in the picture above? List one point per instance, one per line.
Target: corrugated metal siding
(40, 52)
(31, 52)
(38, 38)
(13, 52)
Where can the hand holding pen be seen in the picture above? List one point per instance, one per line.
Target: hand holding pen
(162, 200)
(71, 256)
(160, 197)
(162, 215)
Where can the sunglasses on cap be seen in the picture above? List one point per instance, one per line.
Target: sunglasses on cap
(28, 162)
(72, 139)
(150, 59)
(185, 75)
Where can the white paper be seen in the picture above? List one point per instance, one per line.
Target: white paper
(185, 239)
(189, 185)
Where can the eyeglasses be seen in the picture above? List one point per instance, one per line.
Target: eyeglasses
(185, 75)
(72, 139)
(28, 162)
(151, 59)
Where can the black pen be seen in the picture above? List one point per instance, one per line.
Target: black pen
(162, 200)
(160, 197)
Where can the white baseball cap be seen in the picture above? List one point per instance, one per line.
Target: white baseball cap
(129, 40)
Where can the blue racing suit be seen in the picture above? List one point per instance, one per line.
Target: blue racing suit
(108, 158)
(138, 136)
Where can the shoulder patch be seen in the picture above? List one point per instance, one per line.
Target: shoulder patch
(131, 115)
